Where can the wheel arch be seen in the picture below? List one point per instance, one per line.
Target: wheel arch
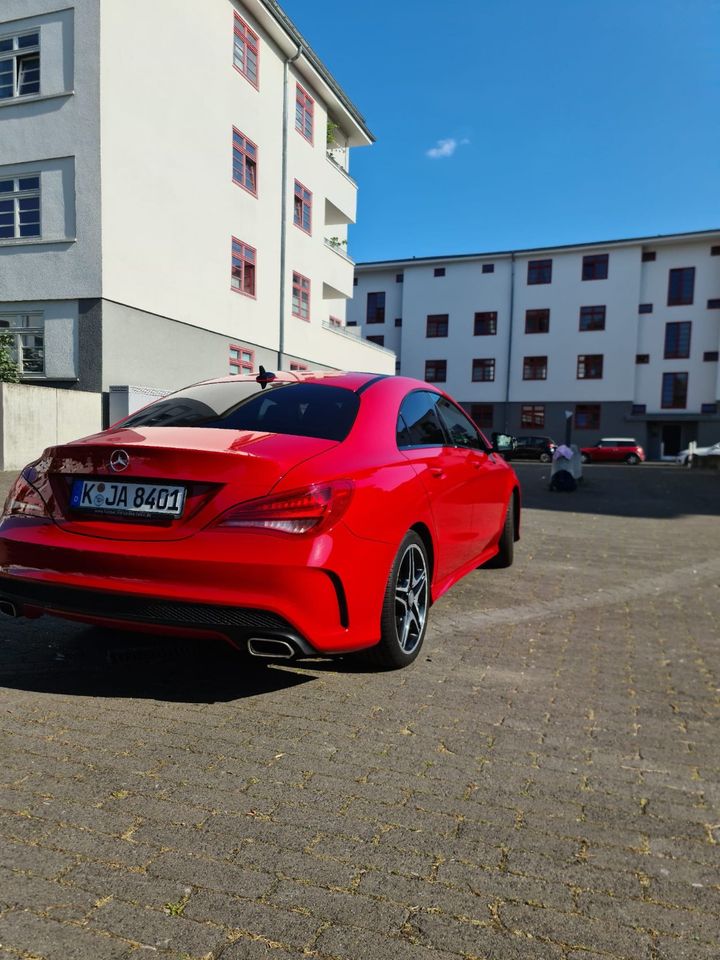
(516, 513)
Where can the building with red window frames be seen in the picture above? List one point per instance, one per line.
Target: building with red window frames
(162, 190)
(624, 334)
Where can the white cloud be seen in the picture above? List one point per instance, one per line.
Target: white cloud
(445, 148)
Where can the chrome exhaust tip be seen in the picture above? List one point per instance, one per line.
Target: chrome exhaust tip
(270, 647)
(9, 609)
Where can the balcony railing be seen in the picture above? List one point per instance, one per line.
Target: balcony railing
(338, 247)
(345, 332)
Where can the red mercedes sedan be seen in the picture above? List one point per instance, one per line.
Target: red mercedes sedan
(289, 514)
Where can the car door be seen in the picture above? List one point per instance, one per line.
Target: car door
(487, 479)
(445, 472)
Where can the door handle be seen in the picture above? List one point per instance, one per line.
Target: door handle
(437, 472)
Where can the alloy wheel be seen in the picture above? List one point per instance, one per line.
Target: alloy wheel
(411, 598)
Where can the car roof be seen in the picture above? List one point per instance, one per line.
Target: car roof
(351, 380)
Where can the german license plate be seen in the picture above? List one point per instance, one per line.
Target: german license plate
(128, 499)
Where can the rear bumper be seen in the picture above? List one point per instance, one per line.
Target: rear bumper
(323, 593)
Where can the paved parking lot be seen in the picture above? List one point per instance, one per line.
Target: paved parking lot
(542, 783)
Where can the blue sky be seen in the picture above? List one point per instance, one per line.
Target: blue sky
(555, 122)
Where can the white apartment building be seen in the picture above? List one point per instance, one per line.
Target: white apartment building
(174, 194)
(624, 334)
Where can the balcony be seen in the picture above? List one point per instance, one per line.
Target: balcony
(340, 194)
(338, 271)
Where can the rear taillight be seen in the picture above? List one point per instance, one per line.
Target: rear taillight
(298, 511)
(23, 499)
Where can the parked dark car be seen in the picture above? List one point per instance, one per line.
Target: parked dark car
(533, 448)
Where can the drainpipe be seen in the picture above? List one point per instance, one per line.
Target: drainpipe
(283, 202)
(510, 336)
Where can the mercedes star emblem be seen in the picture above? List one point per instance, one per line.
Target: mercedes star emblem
(119, 461)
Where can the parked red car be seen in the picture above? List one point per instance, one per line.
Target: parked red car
(614, 450)
(288, 514)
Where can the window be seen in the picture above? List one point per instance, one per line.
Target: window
(710, 356)
(587, 416)
(20, 207)
(535, 368)
(539, 271)
(375, 308)
(439, 272)
(296, 367)
(242, 361)
(302, 215)
(645, 308)
(648, 256)
(592, 318)
(595, 266)
(399, 277)
(715, 251)
(485, 324)
(488, 268)
(376, 338)
(461, 432)
(483, 369)
(244, 162)
(482, 414)
(674, 391)
(537, 321)
(304, 113)
(301, 296)
(677, 340)
(355, 281)
(638, 409)
(713, 304)
(28, 331)
(532, 415)
(436, 371)
(242, 274)
(708, 408)
(590, 366)
(398, 321)
(642, 358)
(681, 286)
(418, 422)
(437, 325)
(19, 65)
(246, 51)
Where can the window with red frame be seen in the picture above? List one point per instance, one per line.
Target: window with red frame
(677, 340)
(246, 51)
(587, 416)
(296, 367)
(674, 391)
(242, 361)
(482, 414)
(681, 286)
(592, 318)
(595, 266)
(535, 368)
(483, 369)
(532, 415)
(436, 371)
(244, 162)
(485, 324)
(243, 270)
(437, 325)
(301, 296)
(335, 322)
(590, 366)
(304, 113)
(537, 321)
(302, 216)
(539, 271)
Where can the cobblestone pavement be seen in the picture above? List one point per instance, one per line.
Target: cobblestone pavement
(542, 784)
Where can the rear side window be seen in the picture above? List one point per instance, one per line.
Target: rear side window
(418, 422)
(461, 432)
(300, 409)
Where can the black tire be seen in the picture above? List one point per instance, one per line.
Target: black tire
(506, 545)
(545, 458)
(632, 459)
(584, 458)
(403, 622)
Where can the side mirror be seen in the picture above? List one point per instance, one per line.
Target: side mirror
(503, 443)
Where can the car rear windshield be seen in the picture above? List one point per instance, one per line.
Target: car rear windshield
(301, 409)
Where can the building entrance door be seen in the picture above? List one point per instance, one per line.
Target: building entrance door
(671, 439)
